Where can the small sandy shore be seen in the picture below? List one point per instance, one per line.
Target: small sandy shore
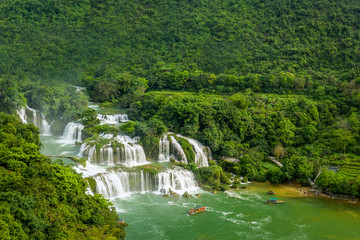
(294, 190)
(284, 190)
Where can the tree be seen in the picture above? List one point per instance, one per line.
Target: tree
(177, 79)
(342, 138)
(10, 95)
(239, 100)
(285, 132)
(279, 151)
(105, 91)
(309, 133)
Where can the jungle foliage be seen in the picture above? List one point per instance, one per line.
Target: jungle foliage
(277, 46)
(41, 200)
(263, 77)
(302, 133)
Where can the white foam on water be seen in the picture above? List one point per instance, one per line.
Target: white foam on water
(72, 133)
(112, 119)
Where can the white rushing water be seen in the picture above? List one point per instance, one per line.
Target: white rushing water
(45, 127)
(121, 149)
(201, 157)
(174, 150)
(179, 180)
(177, 151)
(119, 184)
(72, 133)
(112, 119)
(22, 115)
(78, 88)
(40, 123)
(34, 116)
(164, 149)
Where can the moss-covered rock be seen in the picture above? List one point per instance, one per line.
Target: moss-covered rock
(153, 169)
(92, 183)
(186, 195)
(187, 148)
(81, 161)
(213, 176)
(151, 147)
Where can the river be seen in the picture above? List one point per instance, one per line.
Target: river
(239, 214)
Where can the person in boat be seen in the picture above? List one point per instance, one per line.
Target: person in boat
(196, 210)
(273, 200)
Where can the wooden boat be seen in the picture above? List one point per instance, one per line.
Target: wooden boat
(273, 201)
(196, 210)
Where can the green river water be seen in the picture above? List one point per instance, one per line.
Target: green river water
(239, 215)
(231, 215)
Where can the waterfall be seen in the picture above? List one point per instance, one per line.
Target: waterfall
(106, 155)
(34, 116)
(201, 158)
(114, 184)
(134, 155)
(120, 150)
(120, 184)
(45, 127)
(88, 151)
(84, 147)
(92, 154)
(88, 189)
(174, 150)
(22, 115)
(72, 133)
(164, 149)
(42, 124)
(78, 88)
(112, 119)
(177, 151)
(179, 180)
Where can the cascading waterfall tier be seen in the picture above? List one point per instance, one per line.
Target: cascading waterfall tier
(38, 119)
(45, 127)
(72, 133)
(121, 149)
(201, 156)
(164, 149)
(117, 184)
(112, 119)
(174, 150)
(22, 115)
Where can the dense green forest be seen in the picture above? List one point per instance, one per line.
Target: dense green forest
(316, 42)
(44, 200)
(250, 79)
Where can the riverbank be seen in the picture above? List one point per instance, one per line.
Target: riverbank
(295, 190)
(283, 190)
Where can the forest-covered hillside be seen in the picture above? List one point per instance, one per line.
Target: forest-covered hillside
(111, 47)
(316, 41)
(250, 79)
(43, 200)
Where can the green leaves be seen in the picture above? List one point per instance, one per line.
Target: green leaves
(40, 200)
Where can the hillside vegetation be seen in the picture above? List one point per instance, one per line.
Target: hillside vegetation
(316, 41)
(250, 79)
(42, 200)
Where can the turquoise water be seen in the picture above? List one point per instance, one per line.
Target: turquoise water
(230, 215)
(52, 146)
(238, 215)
